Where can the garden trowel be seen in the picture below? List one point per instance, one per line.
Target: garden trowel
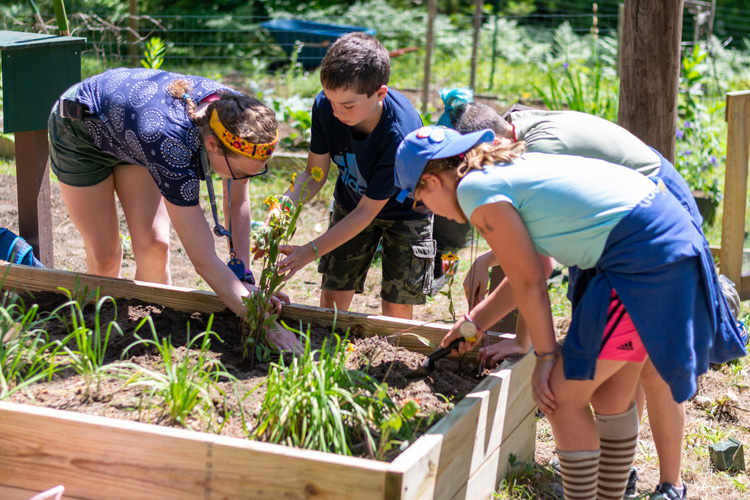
(429, 363)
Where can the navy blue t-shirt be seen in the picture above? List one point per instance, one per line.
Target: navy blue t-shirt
(366, 166)
(141, 123)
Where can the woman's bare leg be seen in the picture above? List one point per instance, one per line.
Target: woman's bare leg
(94, 213)
(148, 222)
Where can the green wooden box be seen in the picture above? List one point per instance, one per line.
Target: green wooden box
(37, 68)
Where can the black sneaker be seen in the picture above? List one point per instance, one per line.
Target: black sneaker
(666, 491)
(630, 487)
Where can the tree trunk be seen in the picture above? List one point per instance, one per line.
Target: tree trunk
(649, 78)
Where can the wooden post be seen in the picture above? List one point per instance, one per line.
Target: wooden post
(649, 78)
(620, 17)
(34, 213)
(133, 37)
(431, 14)
(735, 187)
(478, 4)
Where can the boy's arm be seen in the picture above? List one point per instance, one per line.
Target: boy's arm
(347, 228)
(316, 164)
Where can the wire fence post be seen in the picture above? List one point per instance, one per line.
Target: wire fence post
(496, 11)
(620, 17)
(431, 13)
(133, 33)
(478, 5)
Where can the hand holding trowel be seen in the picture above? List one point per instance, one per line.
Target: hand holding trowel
(468, 330)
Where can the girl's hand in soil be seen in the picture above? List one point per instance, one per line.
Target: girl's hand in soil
(296, 258)
(284, 340)
(495, 353)
(540, 389)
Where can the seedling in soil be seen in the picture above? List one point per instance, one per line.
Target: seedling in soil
(187, 382)
(26, 354)
(260, 317)
(88, 355)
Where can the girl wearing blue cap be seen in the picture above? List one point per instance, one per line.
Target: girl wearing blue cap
(655, 294)
(575, 133)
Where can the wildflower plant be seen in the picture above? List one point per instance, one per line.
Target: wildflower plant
(699, 148)
(260, 317)
(450, 266)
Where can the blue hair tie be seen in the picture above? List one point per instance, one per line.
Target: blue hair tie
(185, 97)
(452, 98)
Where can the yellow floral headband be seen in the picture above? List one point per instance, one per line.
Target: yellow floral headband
(240, 145)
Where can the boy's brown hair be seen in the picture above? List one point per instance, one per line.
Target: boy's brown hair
(357, 61)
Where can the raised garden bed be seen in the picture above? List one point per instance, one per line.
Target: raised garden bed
(464, 455)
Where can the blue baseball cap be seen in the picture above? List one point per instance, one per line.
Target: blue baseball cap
(430, 143)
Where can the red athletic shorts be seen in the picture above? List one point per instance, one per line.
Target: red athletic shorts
(621, 341)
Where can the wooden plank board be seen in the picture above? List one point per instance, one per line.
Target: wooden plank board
(96, 457)
(24, 278)
(413, 473)
(744, 290)
(520, 442)
(735, 185)
(7, 493)
(438, 465)
(479, 424)
(520, 401)
(459, 429)
(288, 160)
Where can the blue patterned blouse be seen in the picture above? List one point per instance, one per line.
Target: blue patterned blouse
(142, 124)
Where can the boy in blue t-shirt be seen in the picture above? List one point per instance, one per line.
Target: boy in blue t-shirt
(358, 123)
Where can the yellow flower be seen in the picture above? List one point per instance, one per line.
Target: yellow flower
(525, 95)
(294, 175)
(350, 347)
(317, 174)
(271, 201)
(450, 257)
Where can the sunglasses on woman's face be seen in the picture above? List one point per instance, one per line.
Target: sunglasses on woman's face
(234, 177)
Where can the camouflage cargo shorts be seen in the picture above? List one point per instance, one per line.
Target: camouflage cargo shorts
(408, 259)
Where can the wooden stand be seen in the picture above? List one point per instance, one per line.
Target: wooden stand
(32, 174)
(464, 456)
(735, 191)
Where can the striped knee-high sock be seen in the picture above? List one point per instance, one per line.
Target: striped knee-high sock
(579, 470)
(618, 435)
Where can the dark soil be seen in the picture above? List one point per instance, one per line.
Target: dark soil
(437, 394)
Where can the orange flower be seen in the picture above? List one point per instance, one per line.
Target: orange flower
(272, 202)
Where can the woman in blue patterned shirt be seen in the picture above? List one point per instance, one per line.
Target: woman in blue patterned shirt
(106, 129)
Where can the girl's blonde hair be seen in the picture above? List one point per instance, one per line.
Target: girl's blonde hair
(242, 115)
(476, 158)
